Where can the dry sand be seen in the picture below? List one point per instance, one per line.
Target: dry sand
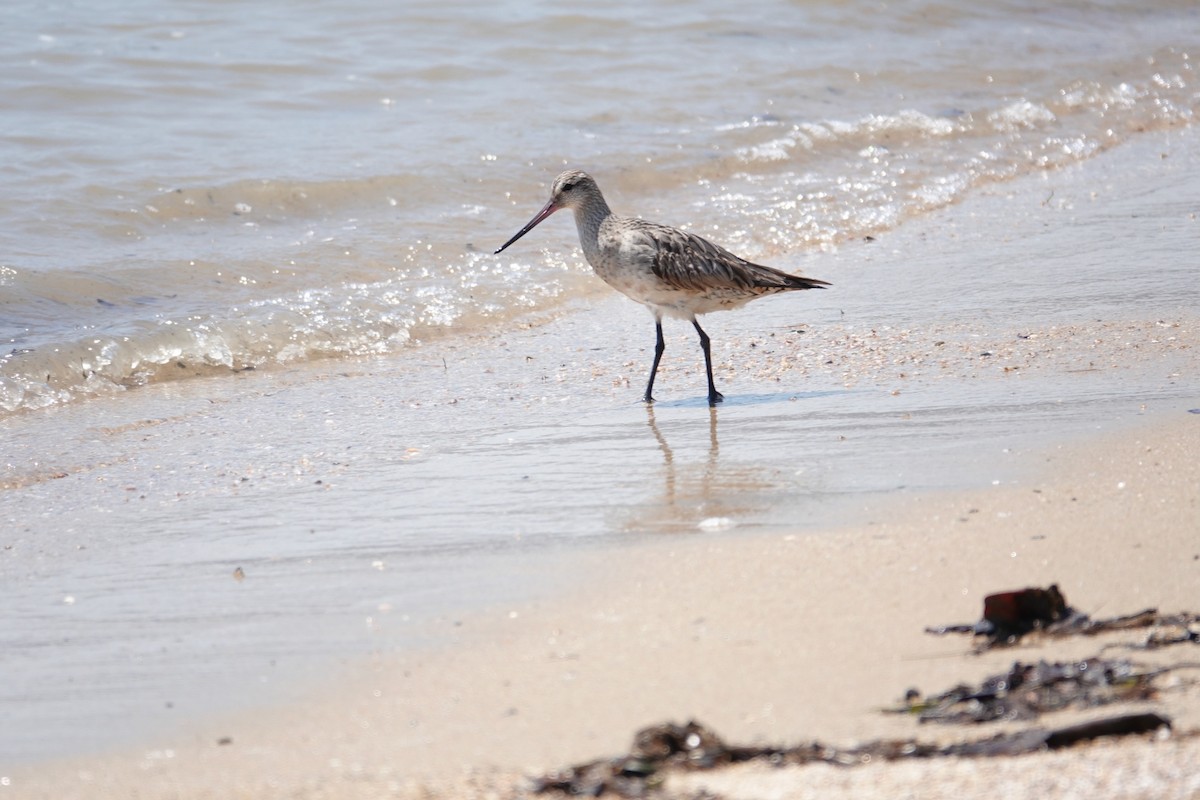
(766, 640)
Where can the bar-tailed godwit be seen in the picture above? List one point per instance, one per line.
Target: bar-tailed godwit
(671, 272)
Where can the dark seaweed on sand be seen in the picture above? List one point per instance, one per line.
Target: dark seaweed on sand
(1023, 692)
(659, 749)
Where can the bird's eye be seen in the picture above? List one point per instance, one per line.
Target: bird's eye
(568, 186)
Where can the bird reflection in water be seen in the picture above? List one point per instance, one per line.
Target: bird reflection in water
(698, 494)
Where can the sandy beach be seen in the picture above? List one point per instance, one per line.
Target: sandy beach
(780, 639)
(1020, 439)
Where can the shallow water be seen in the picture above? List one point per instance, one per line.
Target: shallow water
(192, 188)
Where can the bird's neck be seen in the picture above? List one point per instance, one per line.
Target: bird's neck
(589, 217)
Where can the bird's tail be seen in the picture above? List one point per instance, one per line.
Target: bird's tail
(801, 282)
(771, 278)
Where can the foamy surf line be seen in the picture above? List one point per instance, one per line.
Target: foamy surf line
(350, 320)
(845, 179)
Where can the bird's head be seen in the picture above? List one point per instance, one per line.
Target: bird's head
(571, 190)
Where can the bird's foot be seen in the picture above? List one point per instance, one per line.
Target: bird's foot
(715, 397)
(648, 400)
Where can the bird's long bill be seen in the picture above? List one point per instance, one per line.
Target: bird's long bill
(541, 215)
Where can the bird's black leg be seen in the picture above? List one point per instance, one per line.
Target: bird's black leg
(659, 346)
(714, 396)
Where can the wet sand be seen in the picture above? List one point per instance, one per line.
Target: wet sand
(1037, 431)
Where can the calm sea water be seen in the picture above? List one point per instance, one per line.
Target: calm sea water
(190, 186)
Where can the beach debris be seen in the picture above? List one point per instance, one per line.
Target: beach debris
(1176, 629)
(654, 749)
(1038, 739)
(1009, 616)
(661, 749)
(1025, 691)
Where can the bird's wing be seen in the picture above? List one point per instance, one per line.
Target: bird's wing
(687, 262)
(692, 263)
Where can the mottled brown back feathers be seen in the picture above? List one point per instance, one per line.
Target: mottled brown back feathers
(689, 263)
